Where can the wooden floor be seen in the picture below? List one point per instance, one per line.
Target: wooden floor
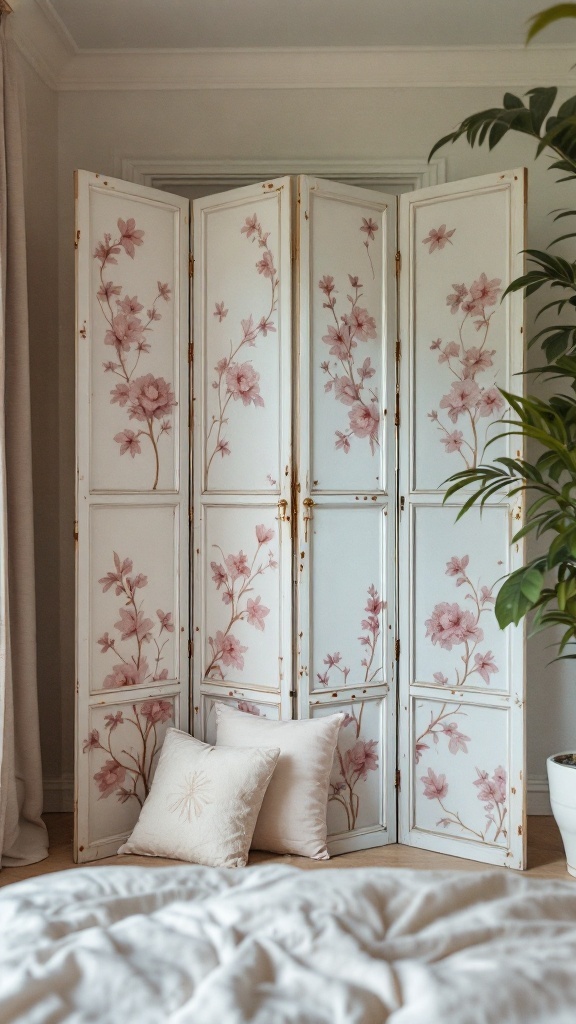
(545, 855)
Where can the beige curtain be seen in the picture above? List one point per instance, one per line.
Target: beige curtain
(23, 838)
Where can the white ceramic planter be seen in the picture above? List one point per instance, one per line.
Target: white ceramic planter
(562, 782)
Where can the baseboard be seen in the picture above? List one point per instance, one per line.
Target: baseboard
(59, 794)
(538, 795)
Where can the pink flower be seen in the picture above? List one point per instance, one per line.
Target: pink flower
(435, 344)
(251, 226)
(457, 740)
(165, 620)
(345, 390)
(323, 678)
(450, 352)
(126, 674)
(248, 331)
(161, 675)
(130, 235)
(491, 790)
(369, 226)
(151, 396)
(220, 576)
(110, 776)
(156, 711)
(256, 613)
(223, 447)
(237, 565)
(457, 566)
(93, 741)
(126, 330)
(133, 623)
(266, 325)
(374, 604)
(264, 534)
(139, 581)
(108, 289)
(342, 442)
(340, 340)
(438, 238)
(435, 786)
(454, 300)
(365, 421)
(486, 596)
(485, 665)
(153, 314)
(485, 292)
(491, 401)
(419, 749)
(355, 281)
(326, 285)
(333, 659)
(366, 370)
(120, 394)
(453, 442)
(128, 442)
(112, 721)
(242, 383)
(361, 324)
(249, 709)
(449, 624)
(476, 360)
(109, 367)
(112, 578)
(104, 251)
(164, 291)
(441, 678)
(265, 265)
(464, 396)
(362, 758)
(230, 649)
(106, 642)
(128, 305)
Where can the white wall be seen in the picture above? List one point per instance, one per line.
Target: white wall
(96, 130)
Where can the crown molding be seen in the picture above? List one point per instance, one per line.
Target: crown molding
(48, 46)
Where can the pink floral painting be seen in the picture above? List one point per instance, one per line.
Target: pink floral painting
(130, 754)
(352, 764)
(235, 576)
(491, 790)
(453, 626)
(467, 402)
(237, 383)
(371, 626)
(148, 399)
(135, 634)
(349, 335)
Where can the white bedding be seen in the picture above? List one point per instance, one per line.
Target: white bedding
(273, 944)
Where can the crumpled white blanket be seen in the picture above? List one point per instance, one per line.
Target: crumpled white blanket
(272, 945)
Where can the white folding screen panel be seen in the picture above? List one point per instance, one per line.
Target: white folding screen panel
(461, 725)
(345, 495)
(132, 525)
(242, 410)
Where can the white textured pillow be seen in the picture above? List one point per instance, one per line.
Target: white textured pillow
(203, 803)
(293, 814)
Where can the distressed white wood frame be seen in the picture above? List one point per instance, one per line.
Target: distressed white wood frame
(348, 499)
(94, 501)
(511, 700)
(387, 175)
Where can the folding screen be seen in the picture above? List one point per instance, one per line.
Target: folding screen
(309, 445)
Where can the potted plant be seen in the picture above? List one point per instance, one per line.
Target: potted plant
(546, 586)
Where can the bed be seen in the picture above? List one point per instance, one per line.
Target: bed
(272, 944)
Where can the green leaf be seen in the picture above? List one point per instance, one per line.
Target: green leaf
(517, 595)
(543, 19)
(541, 101)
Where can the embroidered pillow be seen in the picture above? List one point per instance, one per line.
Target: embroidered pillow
(293, 814)
(203, 803)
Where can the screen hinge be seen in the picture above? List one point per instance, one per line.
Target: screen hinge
(76, 239)
(190, 265)
(398, 259)
(293, 693)
(397, 779)
(75, 531)
(397, 407)
(190, 648)
(397, 648)
(191, 352)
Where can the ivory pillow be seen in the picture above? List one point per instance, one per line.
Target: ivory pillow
(293, 814)
(203, 803)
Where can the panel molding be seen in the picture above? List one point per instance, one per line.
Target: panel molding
(405, 173)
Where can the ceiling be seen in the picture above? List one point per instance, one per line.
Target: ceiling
(186, 24)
